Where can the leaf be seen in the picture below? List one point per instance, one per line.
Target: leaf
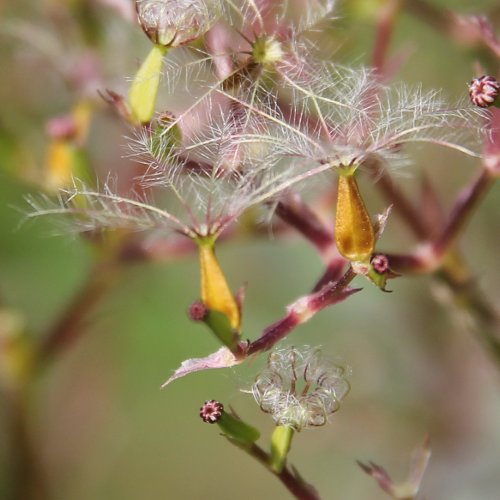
(223, 358)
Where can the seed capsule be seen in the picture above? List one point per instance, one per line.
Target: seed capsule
(354, 232)
(215, 291)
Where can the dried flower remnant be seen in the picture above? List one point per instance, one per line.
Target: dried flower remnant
(484, 90)
(299, 389)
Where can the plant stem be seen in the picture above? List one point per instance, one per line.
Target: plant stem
(292, 482)
(464, 207)
(71, 325)
(385, 29)
(398, 199)
(27, 477)
(302, 310)
(449, 267)
(298, 215)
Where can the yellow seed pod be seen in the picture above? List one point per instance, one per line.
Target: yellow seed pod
(215, 291)
(354, 232)
(144, 90)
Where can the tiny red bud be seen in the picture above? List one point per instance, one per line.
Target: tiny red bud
(197, 311)
(484, 90)
(380, 263)
(211, 411)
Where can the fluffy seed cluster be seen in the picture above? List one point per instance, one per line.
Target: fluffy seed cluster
(299, 388)
(257, 116)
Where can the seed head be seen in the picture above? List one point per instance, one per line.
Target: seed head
(300, 389)
(484, 90)
(211, 411)
(171, 23)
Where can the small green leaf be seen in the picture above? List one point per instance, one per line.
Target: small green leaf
(237, 430)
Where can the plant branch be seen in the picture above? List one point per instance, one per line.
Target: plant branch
(302, 310)
(467, 201)
(71, 325)
(291, 480)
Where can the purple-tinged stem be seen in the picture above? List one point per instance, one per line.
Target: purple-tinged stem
(400, 202)
(458, 28)
(385, 29)
(464, 207)
(72, 323)
(453, 270)
(407, 264)
(333, 272)
(298, 215)
(302, 310)
(292, 482)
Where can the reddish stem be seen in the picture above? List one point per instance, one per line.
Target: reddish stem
(292, 482)
(72, 323)
(298, 215)
(302, 310)
(466, 203)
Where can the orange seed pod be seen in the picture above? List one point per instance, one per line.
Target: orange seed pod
(354, 232)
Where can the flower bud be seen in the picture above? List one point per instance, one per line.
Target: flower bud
(483, 91)
(211, 411)
(380, 263)
(231, 426)
(171, 23)
(354, 232)
(197, 311)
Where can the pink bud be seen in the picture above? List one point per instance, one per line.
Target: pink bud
(483, 91)
(211, 411)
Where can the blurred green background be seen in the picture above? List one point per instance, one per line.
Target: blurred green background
(100, 424)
